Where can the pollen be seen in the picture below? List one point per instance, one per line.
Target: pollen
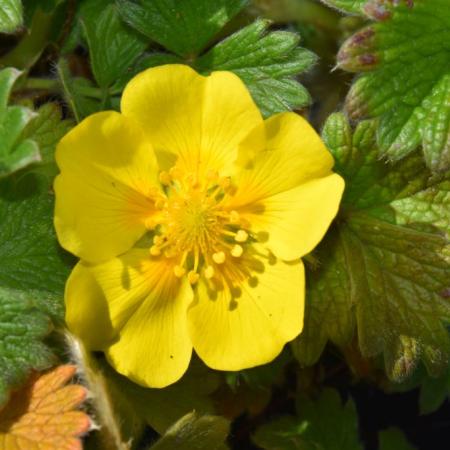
(194, 229)
(237, 251)
(241, 236)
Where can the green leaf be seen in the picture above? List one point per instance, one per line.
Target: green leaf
(433, 392)
(393, 439)
(75, 92)
(10, 15)
(195, 432)
(326, 423)
(407, 85)
(113, 46)
(22, 328)
(348, 6)
(266, 62)
(46, 129)
(183, 26)
(375, 274)
(284, 433)
(15, 152)
(31, 260)
(160, 408)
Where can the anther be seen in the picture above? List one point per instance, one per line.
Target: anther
(209, 272)
(150, 223)
(241, 236)
(237, 251)
(234, 217)
(158, 240)
(179, 271)
(160, 203)
(193, 277)
(175, 172)
(218, 257)
(155, 250)
(165, 178)
(225, 182)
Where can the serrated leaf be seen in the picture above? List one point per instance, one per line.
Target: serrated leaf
(393, 439)
(375, 274)
(194, 432)
(10, 15)
(266, 62)
(15, 152)
(22, 328)
(31, 260)
(46, 129)
(81, 105)
(183, 26)
(326, 423)
(407, 85)
(42, 415)
(348, 6)
(113, 46)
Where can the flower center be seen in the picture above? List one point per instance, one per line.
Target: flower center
(194, 226)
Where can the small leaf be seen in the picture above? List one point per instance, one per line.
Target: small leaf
(195, 432)
(46, 129)
(74, 92)
(113, 46)
(42, 415)
(407, 84)
(266, 62)
(393, 439)
(22, 328)
(184, 27)
(375, 274)
(348, 6)
(433, 392)
(322, 424)
(31, 260)
(15, 152)
(284, 433)
(10, 15)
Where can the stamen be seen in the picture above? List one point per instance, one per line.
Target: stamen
(209, 272)
(155, 250)
(158, 240)
(234, 217)
(175, 172)
(218, 257)
(193, 277)
(179, 271)
(241, 236)
(237, 251)
(150, 223)
(225, 183)
(160, 203)
(165, 178)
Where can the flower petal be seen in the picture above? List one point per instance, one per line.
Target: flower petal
(294, 154)
(147, 306)
(86, 309)
(234, 333)
(293, 222)
(200, 120)
(103, 194)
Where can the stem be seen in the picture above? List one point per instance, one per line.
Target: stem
(52, 85)
(29, 49)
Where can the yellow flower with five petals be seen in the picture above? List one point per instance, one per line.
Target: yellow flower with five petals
(190, 214)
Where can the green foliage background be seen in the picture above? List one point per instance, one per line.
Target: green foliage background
(377, 309)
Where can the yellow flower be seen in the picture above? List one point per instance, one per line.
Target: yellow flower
(190, 214)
